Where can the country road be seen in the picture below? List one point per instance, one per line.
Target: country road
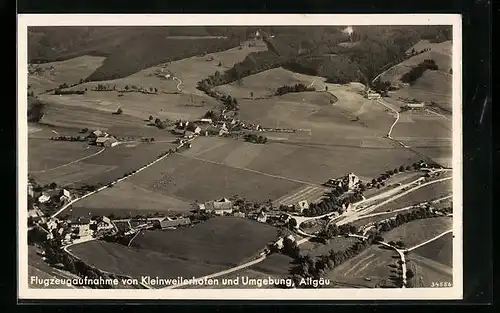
(72, 162)
(382, 102)
(179, 84)
(428, 241)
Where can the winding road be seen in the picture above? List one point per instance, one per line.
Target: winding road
(179, 84)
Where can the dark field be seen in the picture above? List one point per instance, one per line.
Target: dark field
(226, 241)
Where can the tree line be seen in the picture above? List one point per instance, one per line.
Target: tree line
(416, 72)
(293, 88)
(255, 138)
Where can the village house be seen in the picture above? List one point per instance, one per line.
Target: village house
(65, 195)
(31, 192)
(52, 224)
(371, 95)
(219, 207)
(81, 226)
(176, 222)
(239, 214)
(262, 217)
(417, 105)
(104, 223)
(189, 134)
(302, 205)
(223, 130)
(44, 198)
(106, 141)
(206, 120)
(352, 180)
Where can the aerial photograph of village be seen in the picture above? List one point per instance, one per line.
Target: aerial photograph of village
(239, 157)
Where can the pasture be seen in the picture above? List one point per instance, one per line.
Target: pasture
(418, 231)
(427, 126)
(68, 71)
(375, 263)
(217, 241)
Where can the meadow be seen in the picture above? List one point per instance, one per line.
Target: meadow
(418, 231)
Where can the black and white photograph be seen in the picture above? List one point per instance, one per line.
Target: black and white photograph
(243, 157)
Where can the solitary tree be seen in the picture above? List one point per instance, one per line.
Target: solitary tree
(251, 94)
(119, 111)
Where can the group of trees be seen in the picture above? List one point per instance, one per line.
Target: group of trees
(416, 72)
(35, 110)
(68, 92)
(402, 218)
(380, 181)
(69, 138)
(294, 88)
(255, 138)
(333, 231)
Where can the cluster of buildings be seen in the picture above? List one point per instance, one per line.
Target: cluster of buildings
(371, 94)
(102, 139)
(76, 228)
(218, 207)
(350, 181)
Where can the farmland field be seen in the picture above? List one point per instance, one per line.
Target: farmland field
(122, 260)
(45, 154)
(336, 244)
(207, 241)
(193, 179)
(418, 231)
(68, 71)
(105, 167)
(375, 263)
(439, 250)
(137, 107)
(424, 194)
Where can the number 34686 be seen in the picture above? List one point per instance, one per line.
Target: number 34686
(440, 284)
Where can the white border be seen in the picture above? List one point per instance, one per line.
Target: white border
(25, 20)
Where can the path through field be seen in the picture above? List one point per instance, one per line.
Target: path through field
(72, 162)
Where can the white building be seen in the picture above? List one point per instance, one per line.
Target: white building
(43, 198)
(65, 196)
(262, 217)
(303, 205)
(352, 180)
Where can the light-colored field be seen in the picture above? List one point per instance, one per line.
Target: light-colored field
(309, 193)
(419, 231)
(375, 264)
(136, 105)
(77, 173)
(428, 126)
(424, 194)
(69, 72)
(193, 179)
(264, 84)
(44, 154)
(433, 85)
(127, 197)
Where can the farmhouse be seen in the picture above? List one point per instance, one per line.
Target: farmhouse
(96, 134)
(262, 217)
(193, 128)
(303, 205)
(239, 214)
(352, 180)
(65, 195)
(371, 95)
(81, 226)
(182, 221)
(104, 223)
(219, 207)
(44, 198)
(106, 141)
(417, 105)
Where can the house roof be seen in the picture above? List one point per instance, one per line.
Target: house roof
(101, 139)
(97, 132)
(79, 220)
(175, 222)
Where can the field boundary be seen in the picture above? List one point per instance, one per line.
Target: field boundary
(72, 162)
